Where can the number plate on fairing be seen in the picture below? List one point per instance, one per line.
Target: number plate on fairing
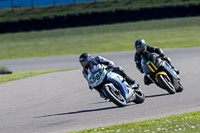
(96, 77)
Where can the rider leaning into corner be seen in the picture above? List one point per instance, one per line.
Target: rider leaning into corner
(141, 49)
(86, 61)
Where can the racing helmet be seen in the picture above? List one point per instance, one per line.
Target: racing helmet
(85, 59)
(140, 46)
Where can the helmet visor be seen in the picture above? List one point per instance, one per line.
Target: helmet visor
(140, 49)
(84, 63)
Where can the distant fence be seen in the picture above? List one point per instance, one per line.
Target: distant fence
(97, 18)
(33, 3)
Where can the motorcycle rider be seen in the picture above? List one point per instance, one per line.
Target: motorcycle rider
(141, 49)
(86, 61)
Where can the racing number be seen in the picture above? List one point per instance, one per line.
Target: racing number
(96, 78)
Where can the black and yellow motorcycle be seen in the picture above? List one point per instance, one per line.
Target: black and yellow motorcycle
(160, 72)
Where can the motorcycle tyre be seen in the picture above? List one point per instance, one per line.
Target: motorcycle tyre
(180, 87)
(139, 97)
(165, 85)
(109, 95)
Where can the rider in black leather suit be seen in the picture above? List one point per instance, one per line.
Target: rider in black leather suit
(141, 49)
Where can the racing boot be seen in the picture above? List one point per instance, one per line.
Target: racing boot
(136, 86)
(103, 96)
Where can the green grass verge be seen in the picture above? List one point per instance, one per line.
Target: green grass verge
(182, 123)
(24, 74)
(3, 67)
(165, 33)
(83, 7)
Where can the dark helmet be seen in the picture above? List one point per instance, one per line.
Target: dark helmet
(140, 46)
(85, 59)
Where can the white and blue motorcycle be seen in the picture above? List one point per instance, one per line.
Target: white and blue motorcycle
(113, 86)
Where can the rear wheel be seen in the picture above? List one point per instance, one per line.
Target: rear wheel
(139, 97)
(166, 84)
(115, 97)
(180, 87)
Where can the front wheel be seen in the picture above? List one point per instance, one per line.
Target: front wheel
(115, 97)
(164, 82)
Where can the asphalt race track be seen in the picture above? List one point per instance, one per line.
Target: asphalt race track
(61, 102)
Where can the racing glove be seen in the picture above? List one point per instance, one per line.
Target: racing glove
(90, 88)
(162, 55)
(141, 70)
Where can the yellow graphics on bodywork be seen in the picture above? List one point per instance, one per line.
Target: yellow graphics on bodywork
(162, 72)
(152, 66)
(111, 74)
(127, 96)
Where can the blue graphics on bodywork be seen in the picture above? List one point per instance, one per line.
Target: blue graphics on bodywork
(116, 80)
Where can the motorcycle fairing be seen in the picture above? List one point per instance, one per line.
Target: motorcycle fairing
(151, 66)
(171, 71)
(117, 79)
(95, 78)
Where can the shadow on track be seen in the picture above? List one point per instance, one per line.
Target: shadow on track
(158, 95)
(78, 112)
(100, 102)
(83, 111)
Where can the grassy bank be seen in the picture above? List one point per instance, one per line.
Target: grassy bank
(24, 74)
(166, 33)
(3, 67)
(83, 7)
(182, 123)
